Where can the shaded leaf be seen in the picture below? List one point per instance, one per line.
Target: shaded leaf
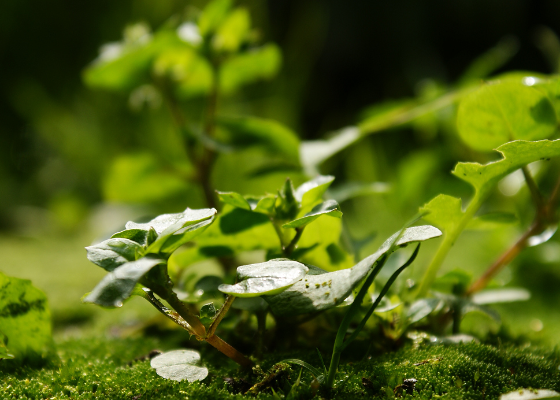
(25, 320)
(112, 253)
(207, 313)
(329, 207)
(119, 284)
(232, 32)
(179, 365)
(270, 277)
(500, 112)
(421, 308)
(140, 236)
(320, 292)
(213, 15)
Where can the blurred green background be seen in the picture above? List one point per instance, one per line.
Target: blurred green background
(68, 151)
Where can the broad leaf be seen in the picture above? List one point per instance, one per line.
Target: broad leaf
(329, 207)
(175, 230)
(320, 292)
(500, 112)
(270, 278)
(213, 15)
(25, 321)
(313, 190)
(232, 32)
(118, 285)
(505, 295)
(140, 236)
(251, 131)
(112, 253)
(179, 365)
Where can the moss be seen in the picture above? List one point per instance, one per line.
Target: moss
(95, 368)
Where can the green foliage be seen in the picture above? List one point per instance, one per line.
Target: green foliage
(25, 324)
(179, 365)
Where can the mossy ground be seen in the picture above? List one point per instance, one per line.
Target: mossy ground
(101, 368)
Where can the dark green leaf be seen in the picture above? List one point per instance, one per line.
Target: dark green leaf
(118, 285)
(213, 15)
(25, 320)
(179, 365)
(207, 313)
(492, 221)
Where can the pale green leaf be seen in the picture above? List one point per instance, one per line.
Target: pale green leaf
(504, 295)
(112, 253)
(119, 284)
(349, 190)
(421, 308)
(501, 112)
(443, 211)
(329, 207)
(530, 394)
(270, 277)
(233, 31)
(179, 365)
(213, 15)
(492, 221)
(256, 64)
(25, 320)
(319, 292)
(251, 131)
(234, 199)
(313, 190)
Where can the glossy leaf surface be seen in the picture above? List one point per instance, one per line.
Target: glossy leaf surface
(313, 190)
(179, 365)
(112, 253)
(329, 207)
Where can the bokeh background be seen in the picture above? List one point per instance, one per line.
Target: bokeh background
(63, 144)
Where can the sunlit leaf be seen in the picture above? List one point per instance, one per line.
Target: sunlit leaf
(320, 292)
(504, 295)
(25, 320)
(492, 221)
(179, 365)
(270, 277)
(329, 207)
(119, 284)
(500, 112)
(313, 190)
(234, 199)
(112, 253)
(213, 15)
(530, 394)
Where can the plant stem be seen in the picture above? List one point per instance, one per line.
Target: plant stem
(229, 351)
(535, 193)
(184, 312)
(290, 248)
(221, 314)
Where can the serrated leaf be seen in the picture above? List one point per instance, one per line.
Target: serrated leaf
(179, 365)
(504, 295)
(119, 284)
(421, 308)
(175, 230)
(25, 320)
(492, 221)
(500, 112)
(112, 253)
(320, 292)
(530, 394)
(329, 207)
(270, 277)
(313, 190)
(234, 199)
(256, 64)
(251, 131)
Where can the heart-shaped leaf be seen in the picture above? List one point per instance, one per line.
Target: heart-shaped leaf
(329, 207)
(119, 284)
(112, 253)
(179, 365)
(270, 277)
(323, 291)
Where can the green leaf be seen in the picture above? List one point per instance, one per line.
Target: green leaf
(421, 308)
(119, 284)
(207, 313)
(270, 277)
(313, 190)
(443, 211)
(232, 32)
(140, 236)
(234, 199)
(25, 320)
(504, 295)
(112, 253)
(492, 221)
(320, 292)
(174, 230)
(329, 207)
(251, 304)
(349, 190)
(530, 394)
(251, 131)
(256, 64)
(468, 306)
(179, 365)
(213, 15)
(501, 112)
(286, 205)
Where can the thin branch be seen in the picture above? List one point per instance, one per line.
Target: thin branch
(221, 314)
(172, 315)
(288, 250)
(535, 192)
